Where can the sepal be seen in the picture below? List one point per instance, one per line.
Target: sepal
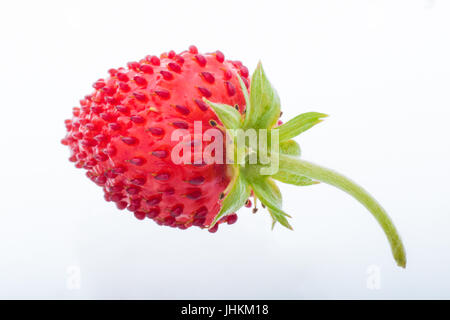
(229, 116)
(235, 198)
(299, 124)
(290, 147)
(268, 193)
(264, 109)
(294, 179)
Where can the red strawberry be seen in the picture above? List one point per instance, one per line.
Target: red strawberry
(122, 136)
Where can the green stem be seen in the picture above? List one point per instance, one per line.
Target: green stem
(333, 178)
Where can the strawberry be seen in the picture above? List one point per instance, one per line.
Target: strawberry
(123, 135)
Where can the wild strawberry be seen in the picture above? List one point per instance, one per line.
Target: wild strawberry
(124, 128)
(123, 135)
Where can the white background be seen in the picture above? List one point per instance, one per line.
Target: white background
(381, 69)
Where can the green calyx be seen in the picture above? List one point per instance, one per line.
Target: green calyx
(260, 152)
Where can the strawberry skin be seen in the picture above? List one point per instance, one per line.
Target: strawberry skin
(121, 134)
